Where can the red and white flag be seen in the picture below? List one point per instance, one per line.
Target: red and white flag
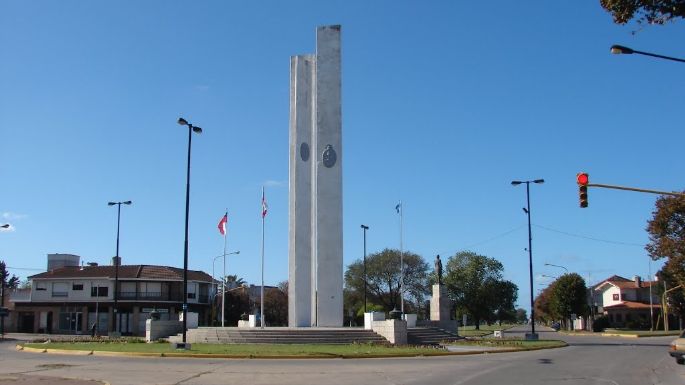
(265, 207)
(222, 224)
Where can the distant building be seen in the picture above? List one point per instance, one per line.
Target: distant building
(68, 299)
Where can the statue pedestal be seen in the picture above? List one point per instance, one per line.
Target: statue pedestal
(440, 304)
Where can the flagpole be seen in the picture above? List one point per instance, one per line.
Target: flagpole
(223, 278)
(401, 259)
(262, 287)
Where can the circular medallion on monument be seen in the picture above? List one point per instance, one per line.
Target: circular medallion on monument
(329, 156)
(304, 151)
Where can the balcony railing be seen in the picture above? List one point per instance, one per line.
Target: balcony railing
(149, 296)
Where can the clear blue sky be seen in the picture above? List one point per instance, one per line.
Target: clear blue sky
(443, 105)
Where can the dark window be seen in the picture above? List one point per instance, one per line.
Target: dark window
(77, 286)
(191, 295)
(615, 297)
(99, 291)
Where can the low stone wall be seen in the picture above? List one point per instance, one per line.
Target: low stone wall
(155, 330)
(393, 330)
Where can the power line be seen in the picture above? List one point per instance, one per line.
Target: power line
(587, 237)
(493, 238)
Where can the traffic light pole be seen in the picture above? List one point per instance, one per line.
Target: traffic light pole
(635, 189)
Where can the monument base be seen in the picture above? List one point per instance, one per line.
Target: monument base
(440, 304)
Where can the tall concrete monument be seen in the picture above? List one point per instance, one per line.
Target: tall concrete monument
(315, 252)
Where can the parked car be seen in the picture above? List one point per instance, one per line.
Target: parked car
(677, 349)
(556, 326)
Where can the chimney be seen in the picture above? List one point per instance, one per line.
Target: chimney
(638, 281)
(116, 261)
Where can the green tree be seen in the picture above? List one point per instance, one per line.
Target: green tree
(383, 280)
(666, 232)
(233, 281)
(474, 282)
(569, 296)
(276, 305)
(7, 281)
(521, 315)
(644, 11)
(508, 292)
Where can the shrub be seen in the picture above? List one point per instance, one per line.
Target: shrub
(600, 324)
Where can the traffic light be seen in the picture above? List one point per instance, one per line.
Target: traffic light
(582, 179)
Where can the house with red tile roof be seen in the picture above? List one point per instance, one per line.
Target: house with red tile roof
(71, 299)
(627, 302)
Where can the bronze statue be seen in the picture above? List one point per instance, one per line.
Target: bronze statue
(438, 269)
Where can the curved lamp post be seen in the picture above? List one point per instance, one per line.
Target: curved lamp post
(530, 252)
(117, 262)
(622, 50)
(561, 267)
(196, 130)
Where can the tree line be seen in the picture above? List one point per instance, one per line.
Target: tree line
(474, 283)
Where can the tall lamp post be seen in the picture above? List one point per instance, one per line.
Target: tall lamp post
(364, 228)
(116, 263)
(532, 334)
(223, 282)
(197, 130)
(621, 50)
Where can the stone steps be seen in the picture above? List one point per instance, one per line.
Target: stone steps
(279, 336)
(429, 336)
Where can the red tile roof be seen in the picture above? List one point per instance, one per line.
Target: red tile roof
(125, 272)
(624, 283)
(631, 305)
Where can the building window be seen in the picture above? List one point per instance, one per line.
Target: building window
(615, 297)
(60, 289)
(99, 291)
(41, 286)
(77, 286)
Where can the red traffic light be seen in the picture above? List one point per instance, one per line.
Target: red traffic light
(582, 178)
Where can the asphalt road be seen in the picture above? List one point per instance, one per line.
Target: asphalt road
(588, 360)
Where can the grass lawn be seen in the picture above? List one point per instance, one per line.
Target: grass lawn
(287, 350)
(470, 331)
(643, 333)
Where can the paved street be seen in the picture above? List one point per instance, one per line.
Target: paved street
(589, 360)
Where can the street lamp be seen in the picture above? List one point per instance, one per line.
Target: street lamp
(549, 276)
(530, 252)
(621, 50)
(117, 262)
(197, 130)
(5, 226)
(561, 267)
(223, 289)
(364, 228)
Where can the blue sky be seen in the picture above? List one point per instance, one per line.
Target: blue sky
(444, 103)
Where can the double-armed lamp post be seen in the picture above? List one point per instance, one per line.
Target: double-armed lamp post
(530, 253)
(117, 262)
(196, 130)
